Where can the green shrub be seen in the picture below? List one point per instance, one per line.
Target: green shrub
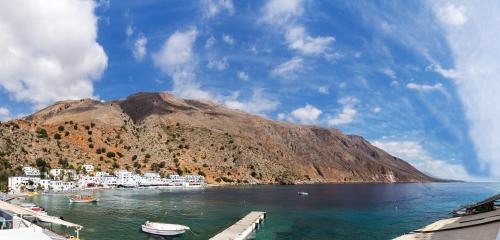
(60, 128)
(42, 133)
(91, 145)
(57, 136)
(110, 154)
(134, 157)
(148, 155)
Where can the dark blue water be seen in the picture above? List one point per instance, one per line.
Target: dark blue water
(337, 211)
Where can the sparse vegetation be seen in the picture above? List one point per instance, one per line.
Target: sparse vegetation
(57, 136)
(110, 154)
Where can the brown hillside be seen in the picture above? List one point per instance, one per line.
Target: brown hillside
(169, 134)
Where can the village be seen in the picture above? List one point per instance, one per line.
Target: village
(59, 180)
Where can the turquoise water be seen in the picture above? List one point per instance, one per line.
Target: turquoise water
(336, 211)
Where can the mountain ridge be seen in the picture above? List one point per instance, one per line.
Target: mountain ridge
(160, 132)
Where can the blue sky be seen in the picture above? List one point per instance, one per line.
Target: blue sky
(403, 74)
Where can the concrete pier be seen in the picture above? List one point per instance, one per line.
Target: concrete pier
(241, 229)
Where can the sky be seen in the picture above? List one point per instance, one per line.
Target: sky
(418, 79)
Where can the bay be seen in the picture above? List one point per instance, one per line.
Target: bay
(330, 211)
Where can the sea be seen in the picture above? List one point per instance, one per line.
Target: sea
(330, 211)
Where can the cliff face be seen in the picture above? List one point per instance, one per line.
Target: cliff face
(158, 131)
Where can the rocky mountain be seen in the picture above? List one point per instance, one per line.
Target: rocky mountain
(159, 132)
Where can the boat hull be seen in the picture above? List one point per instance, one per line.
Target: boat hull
(83, 201)
(162, 232)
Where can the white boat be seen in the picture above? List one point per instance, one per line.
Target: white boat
(164, 229)
(303, 193)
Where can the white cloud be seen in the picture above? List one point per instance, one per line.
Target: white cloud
(288, 69)
(306, 115)
(176, 58)
(348, 100)
(415, 154)
(299, 40)
(211, 41)
(376, 109)
(280, 12)
(213, 7)
(323, 90)
(49, 50)
(346, 116)
(452, 15)
(348, 112)
(389, 72)
(217, 64)
(139, 50)
(386, 27)
(475, 51)
(425, 87)
(4, 113)
(228, 39)
(129, 31)
(258, 103)
(243, 76)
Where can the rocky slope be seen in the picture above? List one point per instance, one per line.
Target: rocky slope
(157, 131)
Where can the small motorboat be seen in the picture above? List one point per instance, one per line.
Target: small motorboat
(82, 199)
(303, 193)
(164, 229)
(33, 207)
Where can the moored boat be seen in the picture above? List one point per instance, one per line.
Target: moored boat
(164, 229)
(82, 199)
(303, 193)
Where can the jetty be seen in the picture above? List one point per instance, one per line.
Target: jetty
(242, 228)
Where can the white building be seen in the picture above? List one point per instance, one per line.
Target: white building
(127, 179)
(58, 172)
(101, 174)
(19, 184)
(151, 179)
(31, 171)
(88, 168)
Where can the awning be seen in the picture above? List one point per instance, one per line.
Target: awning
(47, 218)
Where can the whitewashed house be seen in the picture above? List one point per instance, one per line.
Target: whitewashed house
(151, 179)
(59, 172)
(24, 183)
(88, 168)
(127, 179)
(31, 171)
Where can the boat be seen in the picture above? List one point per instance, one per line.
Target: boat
(477, 221)
(303, 193)
(82, 199)
(164, 229)
(33, 207)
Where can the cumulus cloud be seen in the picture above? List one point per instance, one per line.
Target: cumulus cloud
(176, 58)
(415, 154)
(4, 113)
(218, 64)
(451, 14)
(389, 72)
(258, 103)
(376, 109)
(129, 31)
(228, 39)
(299, 40)
(323, 90)
(211, 41)
(346, 116)
(213, 7)
(49, 50)
(139, 50)
(476, 72)
(288, 69)
(284, 16)
(243, 76)
(281, 12)
(306, 115)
